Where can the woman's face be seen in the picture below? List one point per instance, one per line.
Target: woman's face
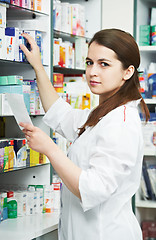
(104, 72)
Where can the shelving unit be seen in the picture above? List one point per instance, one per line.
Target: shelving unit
(92, 8)
(28, 227)
(145, 209)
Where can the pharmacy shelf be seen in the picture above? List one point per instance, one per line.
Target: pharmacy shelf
(29, 227)
(145, 204)
(149, 154)
(3, 61)
(70, 71)
(16, 12)
(150, 101)
(150, 1)
(147, 48)
(24, 167)
(31, 115)
(67, 36)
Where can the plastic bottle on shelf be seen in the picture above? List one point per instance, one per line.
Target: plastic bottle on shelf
(11, 204)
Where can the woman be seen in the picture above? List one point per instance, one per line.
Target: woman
(103, 168)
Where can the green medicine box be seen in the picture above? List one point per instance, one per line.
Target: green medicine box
(3, 80)
(11, 80)
(14, 79)
(144, 35)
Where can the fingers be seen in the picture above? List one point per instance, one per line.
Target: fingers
(29, 38)
(31, 41)
(24, 49)
(27, 126)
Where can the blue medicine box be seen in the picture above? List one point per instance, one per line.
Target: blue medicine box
(11, 89)
(5, 1)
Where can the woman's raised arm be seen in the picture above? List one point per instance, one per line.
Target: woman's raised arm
(47, 92)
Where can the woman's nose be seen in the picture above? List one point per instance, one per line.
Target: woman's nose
(93, 70)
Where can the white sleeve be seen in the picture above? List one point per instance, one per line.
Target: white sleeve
(65, 120)
(111, 162)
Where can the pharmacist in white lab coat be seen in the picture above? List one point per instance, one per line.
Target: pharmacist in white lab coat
(103, 168)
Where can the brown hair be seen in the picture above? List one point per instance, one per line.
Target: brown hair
(127, 52)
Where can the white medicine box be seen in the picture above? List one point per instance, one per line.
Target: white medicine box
(2, 15)
(5, 109)
(2, 44)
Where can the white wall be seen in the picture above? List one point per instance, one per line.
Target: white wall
(118, 14)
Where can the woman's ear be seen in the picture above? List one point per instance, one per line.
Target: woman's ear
(129, 72)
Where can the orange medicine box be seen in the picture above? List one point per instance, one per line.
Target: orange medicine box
(86, 101)
(38, 5)
(58, 80)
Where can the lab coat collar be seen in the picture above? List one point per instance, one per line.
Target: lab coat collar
(134, 103)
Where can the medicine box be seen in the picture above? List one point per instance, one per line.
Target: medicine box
(6, 1)
(1, 156)
(80, 52)
(15, 2)
(37, 35)
(2, 15)
(12, 43)
(11, 80)
(153, 35)
(3, 80)
(5, 109)
(22, 40)
(2, 43)
(11, 89)
(24, 3)
(32, 4)
(14, 79)
(149, 132)
(38, 5)
(4, 209)
(144, 35)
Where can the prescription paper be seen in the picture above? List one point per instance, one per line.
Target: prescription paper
(16, 102)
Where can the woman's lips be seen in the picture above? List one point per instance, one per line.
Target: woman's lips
(94, 83)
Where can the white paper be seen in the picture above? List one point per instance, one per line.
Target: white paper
(16, 102)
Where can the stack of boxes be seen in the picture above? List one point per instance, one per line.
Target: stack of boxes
(29, 90)
(69, 55)
(10, 39)
(147, 33)
(30, 4)
(69, 18)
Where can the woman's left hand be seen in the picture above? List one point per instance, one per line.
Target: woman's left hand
(37, 139)
(66, 169)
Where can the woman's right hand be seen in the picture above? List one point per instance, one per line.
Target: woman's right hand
(33, 56)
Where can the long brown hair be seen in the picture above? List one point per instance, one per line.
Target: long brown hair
(127, 52)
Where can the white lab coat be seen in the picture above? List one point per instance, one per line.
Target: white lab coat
(110, 155)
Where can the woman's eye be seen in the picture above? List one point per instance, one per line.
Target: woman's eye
(104, 64)
(88, 63)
